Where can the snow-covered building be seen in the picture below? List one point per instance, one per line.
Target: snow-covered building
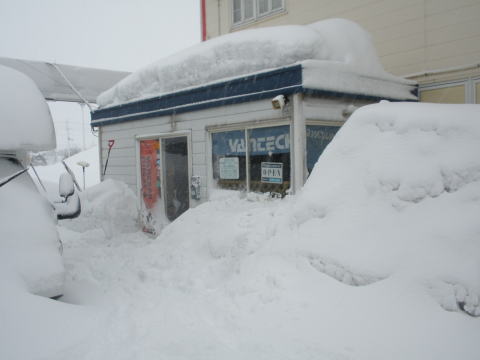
(247, 111)
(436, 42)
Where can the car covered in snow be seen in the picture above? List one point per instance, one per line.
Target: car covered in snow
(30, 248)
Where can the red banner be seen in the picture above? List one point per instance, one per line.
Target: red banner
(149, 171)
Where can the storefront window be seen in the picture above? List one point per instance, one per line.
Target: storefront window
(229, 159)
(268, 162)
(269, 159)
(318, 137)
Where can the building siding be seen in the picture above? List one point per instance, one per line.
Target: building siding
(123, 165)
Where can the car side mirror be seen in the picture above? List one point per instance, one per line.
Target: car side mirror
(70, 207)
(65, 186)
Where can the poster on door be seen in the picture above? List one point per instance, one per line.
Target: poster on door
(149, 167)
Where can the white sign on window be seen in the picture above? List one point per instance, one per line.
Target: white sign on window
(272, 172)
(229, 168)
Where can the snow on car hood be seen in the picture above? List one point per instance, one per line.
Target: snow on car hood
(334, 41)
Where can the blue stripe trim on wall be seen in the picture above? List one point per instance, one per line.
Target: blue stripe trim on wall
(260, 86)
(238, 87)
(200, 106)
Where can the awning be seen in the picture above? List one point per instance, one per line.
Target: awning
(55, 81)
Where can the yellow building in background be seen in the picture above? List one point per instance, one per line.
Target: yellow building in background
(435, 42)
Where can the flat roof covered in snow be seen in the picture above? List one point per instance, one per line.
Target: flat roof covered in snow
(309, 77)
(334, 57)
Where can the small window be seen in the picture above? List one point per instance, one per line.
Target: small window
(237, 11)
(263, 7)
(277, 5)
(318, 137)
(247, 10)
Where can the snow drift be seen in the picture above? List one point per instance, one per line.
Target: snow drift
(331, 42)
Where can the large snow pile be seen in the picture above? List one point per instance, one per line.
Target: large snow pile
(25, 120)
(334, 41)
(110, 206)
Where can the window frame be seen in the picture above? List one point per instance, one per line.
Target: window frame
(256, 12)
(469, 85)
(244, 127)
(476, 82)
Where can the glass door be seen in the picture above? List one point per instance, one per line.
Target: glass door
(176, 190)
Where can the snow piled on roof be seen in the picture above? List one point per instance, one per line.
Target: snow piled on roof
(334, 41)
(25, 120)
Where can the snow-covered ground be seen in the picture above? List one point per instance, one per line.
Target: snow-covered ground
(376, 258)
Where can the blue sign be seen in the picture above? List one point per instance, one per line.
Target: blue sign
(263, 141)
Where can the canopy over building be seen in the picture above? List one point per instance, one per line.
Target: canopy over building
(59, 82)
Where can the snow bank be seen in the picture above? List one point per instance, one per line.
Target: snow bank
(397, 193)
(25, 120)
(335, 41)
(110, 206)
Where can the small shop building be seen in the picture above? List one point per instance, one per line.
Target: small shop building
(261, 133)
(256, 132)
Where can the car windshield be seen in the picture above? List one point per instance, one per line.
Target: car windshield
(9, 166)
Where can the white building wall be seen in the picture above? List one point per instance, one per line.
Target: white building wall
(122, 164)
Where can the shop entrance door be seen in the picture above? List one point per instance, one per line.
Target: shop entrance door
(175, 160)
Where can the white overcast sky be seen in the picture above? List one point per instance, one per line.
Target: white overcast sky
(108, 34)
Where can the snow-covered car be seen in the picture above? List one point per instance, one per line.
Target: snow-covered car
(30, 248)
